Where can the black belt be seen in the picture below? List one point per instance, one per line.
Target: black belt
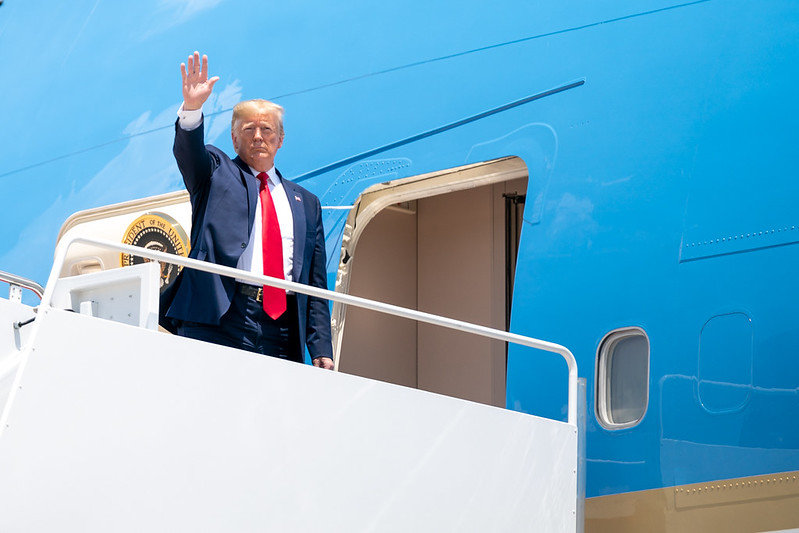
(251, 291)
(256, 293)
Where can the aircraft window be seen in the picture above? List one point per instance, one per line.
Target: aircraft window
(622, 390)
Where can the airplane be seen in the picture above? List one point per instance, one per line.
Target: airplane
(614, 177)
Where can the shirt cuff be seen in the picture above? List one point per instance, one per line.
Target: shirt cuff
(189, 119)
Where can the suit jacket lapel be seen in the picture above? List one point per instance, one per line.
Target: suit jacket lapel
(300, 223)
(252, 189)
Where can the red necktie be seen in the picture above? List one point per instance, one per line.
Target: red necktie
(274, 298)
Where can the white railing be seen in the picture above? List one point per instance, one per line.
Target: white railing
(16, 282)
(412, 314)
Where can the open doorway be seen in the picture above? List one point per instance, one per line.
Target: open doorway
(443, 243)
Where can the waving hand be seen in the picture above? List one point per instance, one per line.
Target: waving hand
(196, 85)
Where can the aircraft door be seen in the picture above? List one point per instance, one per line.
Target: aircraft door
(449, 253)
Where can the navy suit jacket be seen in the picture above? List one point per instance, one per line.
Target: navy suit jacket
(224, 196)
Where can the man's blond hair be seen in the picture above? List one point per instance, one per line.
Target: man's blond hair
(257, 105)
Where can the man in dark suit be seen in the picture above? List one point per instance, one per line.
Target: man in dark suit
(245, 215)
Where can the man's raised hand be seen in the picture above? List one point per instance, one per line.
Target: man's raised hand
(196, 85)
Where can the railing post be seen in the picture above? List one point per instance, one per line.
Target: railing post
(14, 292)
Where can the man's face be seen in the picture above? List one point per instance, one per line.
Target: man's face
(256, 138)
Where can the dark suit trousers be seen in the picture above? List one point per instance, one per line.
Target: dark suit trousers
(247, 327)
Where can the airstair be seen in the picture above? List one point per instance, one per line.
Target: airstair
(111, 425)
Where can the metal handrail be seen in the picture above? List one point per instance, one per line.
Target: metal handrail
(25, 283)
(347, 299)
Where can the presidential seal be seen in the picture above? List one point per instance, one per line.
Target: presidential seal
(158, 232)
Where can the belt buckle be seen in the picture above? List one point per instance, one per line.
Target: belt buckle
(259, 296)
